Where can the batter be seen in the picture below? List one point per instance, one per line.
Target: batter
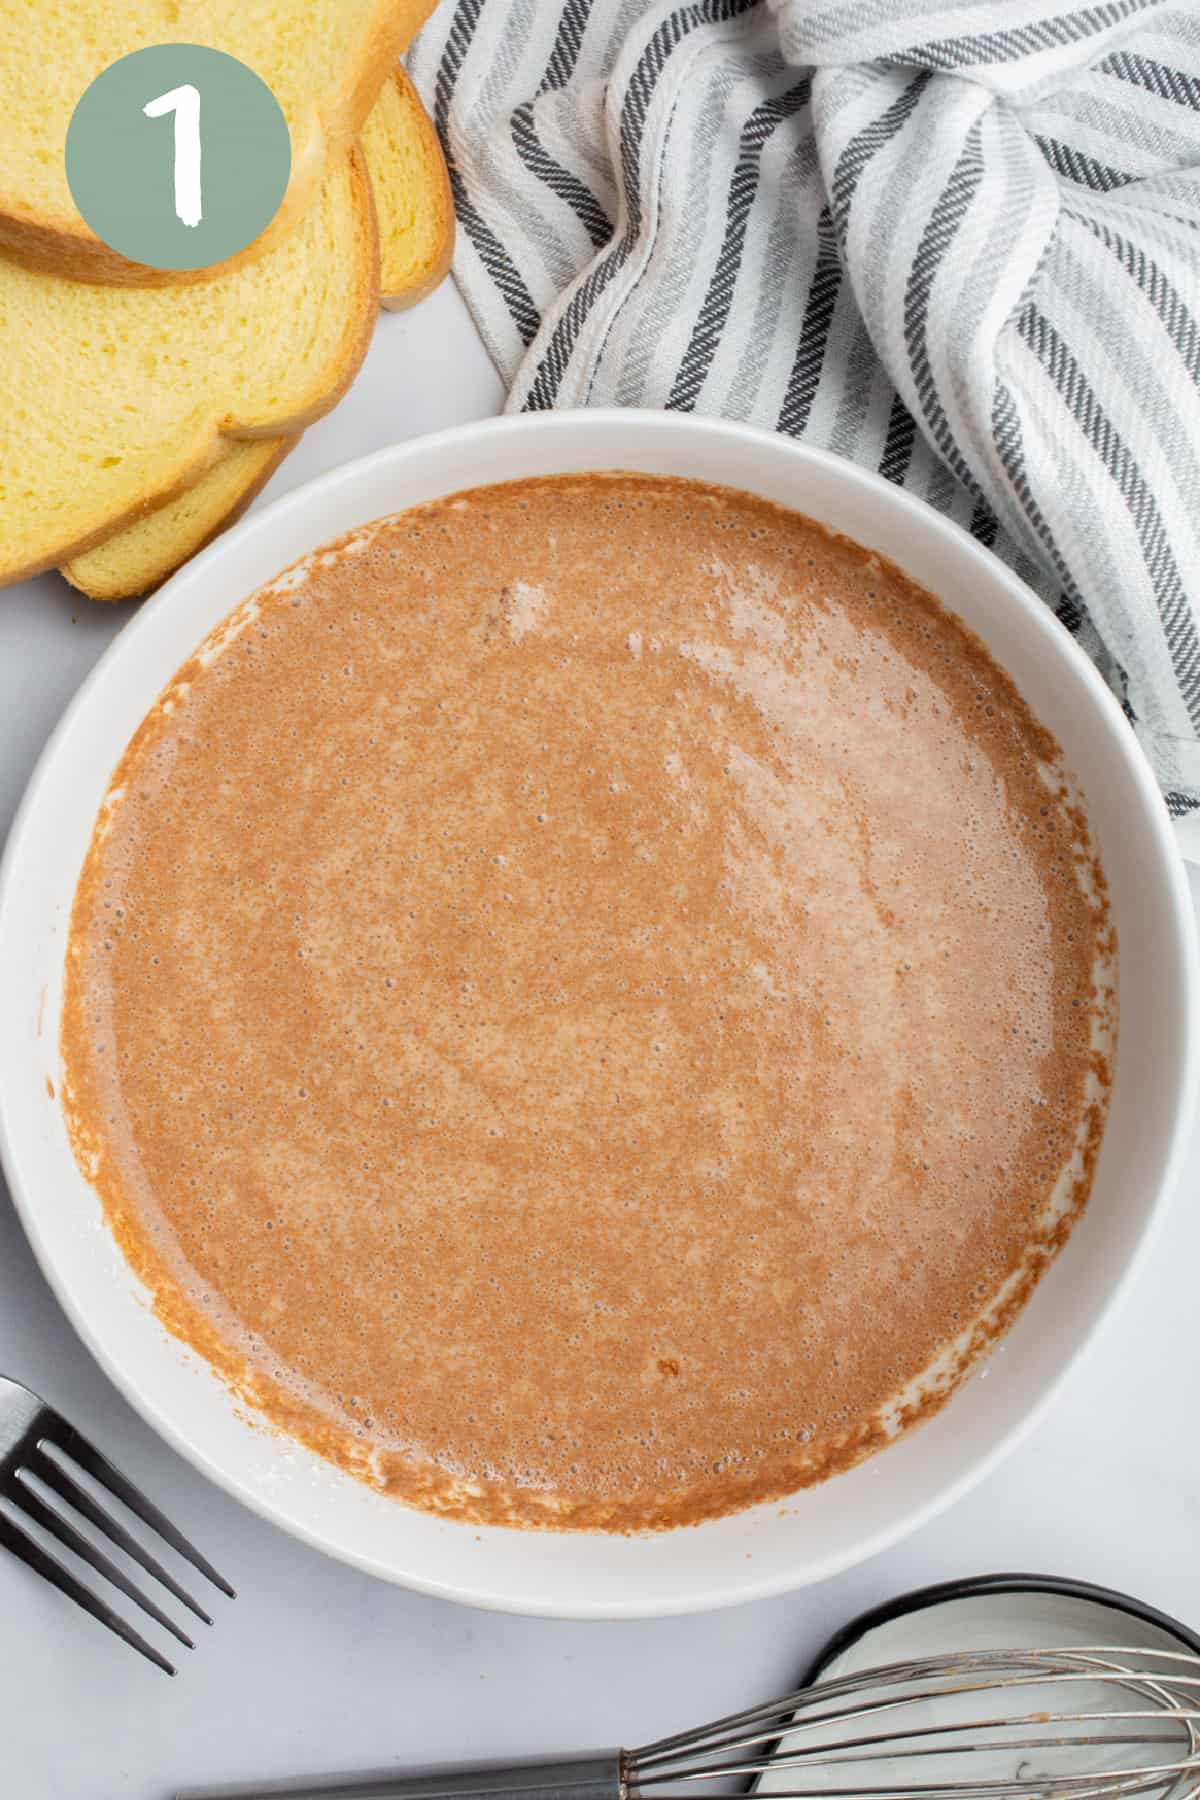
(588, 1002)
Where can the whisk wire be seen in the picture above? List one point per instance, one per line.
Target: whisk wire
(703, 1746)
(789, 1706)
(764, 1738)
(1114, 1781)
(864, 1749)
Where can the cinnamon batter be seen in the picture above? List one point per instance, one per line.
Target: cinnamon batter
(581, 995)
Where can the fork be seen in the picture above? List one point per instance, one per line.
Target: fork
(39, 1456)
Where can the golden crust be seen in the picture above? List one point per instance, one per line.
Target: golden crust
(359, 324)
(96, 575)
(400, 295)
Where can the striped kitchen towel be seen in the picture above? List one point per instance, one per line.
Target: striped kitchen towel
(959, 243)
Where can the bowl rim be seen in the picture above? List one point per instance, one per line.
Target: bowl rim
(722, 1586)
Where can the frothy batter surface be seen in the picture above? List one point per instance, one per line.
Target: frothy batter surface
(583, 997)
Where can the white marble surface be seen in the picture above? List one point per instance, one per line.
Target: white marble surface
(317, 1668)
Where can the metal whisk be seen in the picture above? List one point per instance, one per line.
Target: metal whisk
(1003, 1723)
(1072, 1724)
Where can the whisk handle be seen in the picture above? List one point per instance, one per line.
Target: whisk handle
(597, 1777)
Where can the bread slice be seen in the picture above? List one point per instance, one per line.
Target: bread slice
(141, 556)
(412, 195)
(324, 60)
(416, 240)
(117, 399)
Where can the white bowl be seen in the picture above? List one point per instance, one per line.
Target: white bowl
(769, 1548)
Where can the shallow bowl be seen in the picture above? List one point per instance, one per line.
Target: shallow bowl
(769, 1548)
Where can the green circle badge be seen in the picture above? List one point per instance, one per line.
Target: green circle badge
(178, 156)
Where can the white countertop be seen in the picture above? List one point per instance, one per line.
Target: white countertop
(316, 1668)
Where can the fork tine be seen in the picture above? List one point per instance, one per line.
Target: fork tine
(65, 1437)
(49, 1470)
(51, 1570)
(51, 1520)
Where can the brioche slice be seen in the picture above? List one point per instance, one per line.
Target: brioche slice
(416, 240)
(120, 398)
(412, 195)
(141, 556)
(324, 60)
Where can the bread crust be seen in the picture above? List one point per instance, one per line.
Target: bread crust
(94, 586)
(441, 201)
(66, 246)
(359, 326)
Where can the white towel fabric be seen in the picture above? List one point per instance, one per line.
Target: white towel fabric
(957, 243)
